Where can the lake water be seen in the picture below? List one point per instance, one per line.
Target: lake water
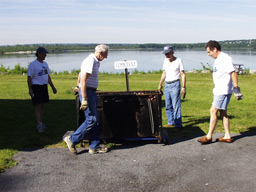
(147, 60)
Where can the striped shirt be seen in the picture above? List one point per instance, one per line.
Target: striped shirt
(91, 65)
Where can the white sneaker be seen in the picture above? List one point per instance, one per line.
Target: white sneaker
(71, 146)
(98, 150)
(40, 128)
(43, 125)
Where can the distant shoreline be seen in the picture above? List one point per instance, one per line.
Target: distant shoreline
(76, 51)
(64, 48)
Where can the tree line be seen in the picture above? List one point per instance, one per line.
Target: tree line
(58, 48)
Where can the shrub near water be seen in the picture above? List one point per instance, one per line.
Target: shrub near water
(17, 69)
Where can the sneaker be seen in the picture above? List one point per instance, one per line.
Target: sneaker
(43, 125)
(40, 128)
(71, 146)
(98, 150)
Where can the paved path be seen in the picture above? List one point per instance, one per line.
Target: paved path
(178, 167)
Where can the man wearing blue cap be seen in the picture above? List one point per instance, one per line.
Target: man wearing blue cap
(38, 79)
(173, 69)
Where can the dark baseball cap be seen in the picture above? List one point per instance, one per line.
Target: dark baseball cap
(167, 49)
(41, 50)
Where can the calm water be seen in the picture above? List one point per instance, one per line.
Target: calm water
(147, 60)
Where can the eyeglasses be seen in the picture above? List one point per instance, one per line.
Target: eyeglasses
(104, 55)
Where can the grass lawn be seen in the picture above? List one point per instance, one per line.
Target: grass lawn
(17, 122)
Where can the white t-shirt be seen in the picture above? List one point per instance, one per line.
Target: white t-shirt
(222, 68)
(39, 72)
(91, 65)
(173, 69)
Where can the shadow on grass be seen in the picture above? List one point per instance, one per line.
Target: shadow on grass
(251, 132)
(18, 126)
(190, 130)
(175, 135)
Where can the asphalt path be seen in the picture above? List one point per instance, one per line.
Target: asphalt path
(180, 166)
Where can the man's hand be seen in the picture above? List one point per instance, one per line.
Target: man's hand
(76, 90)
(160, 89)
(237, 93)
(31, 93)
(183, 93)
(54, 90)
(84, 104)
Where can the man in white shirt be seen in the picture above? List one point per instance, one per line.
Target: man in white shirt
(88, 83)
(38, 79)
(172, 71)
(223, 76)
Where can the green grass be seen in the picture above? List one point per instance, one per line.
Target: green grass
(17, 122)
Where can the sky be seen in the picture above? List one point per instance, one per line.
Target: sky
(125, 21)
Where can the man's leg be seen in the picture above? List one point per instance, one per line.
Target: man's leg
(94, 133)
(175, 96)
(88, 124)
(168, 105)
(39, 109)
(213, 121)
(225, 120)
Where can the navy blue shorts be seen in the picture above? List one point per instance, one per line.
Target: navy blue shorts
(40, 94)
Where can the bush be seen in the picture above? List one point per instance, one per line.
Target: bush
(17, 70)
(157, 72)
(135, 72)
(3, 69)
(65, 72)
(208, 67)
(75, 71)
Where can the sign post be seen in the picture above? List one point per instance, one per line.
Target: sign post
(125, 65)
(127, 79)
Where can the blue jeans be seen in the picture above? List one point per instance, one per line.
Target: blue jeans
(172, 103)
(91, 123)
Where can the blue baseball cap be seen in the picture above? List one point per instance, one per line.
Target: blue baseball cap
(41, 50)
(167, 49)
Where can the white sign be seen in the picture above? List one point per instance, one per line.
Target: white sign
(125, 64)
